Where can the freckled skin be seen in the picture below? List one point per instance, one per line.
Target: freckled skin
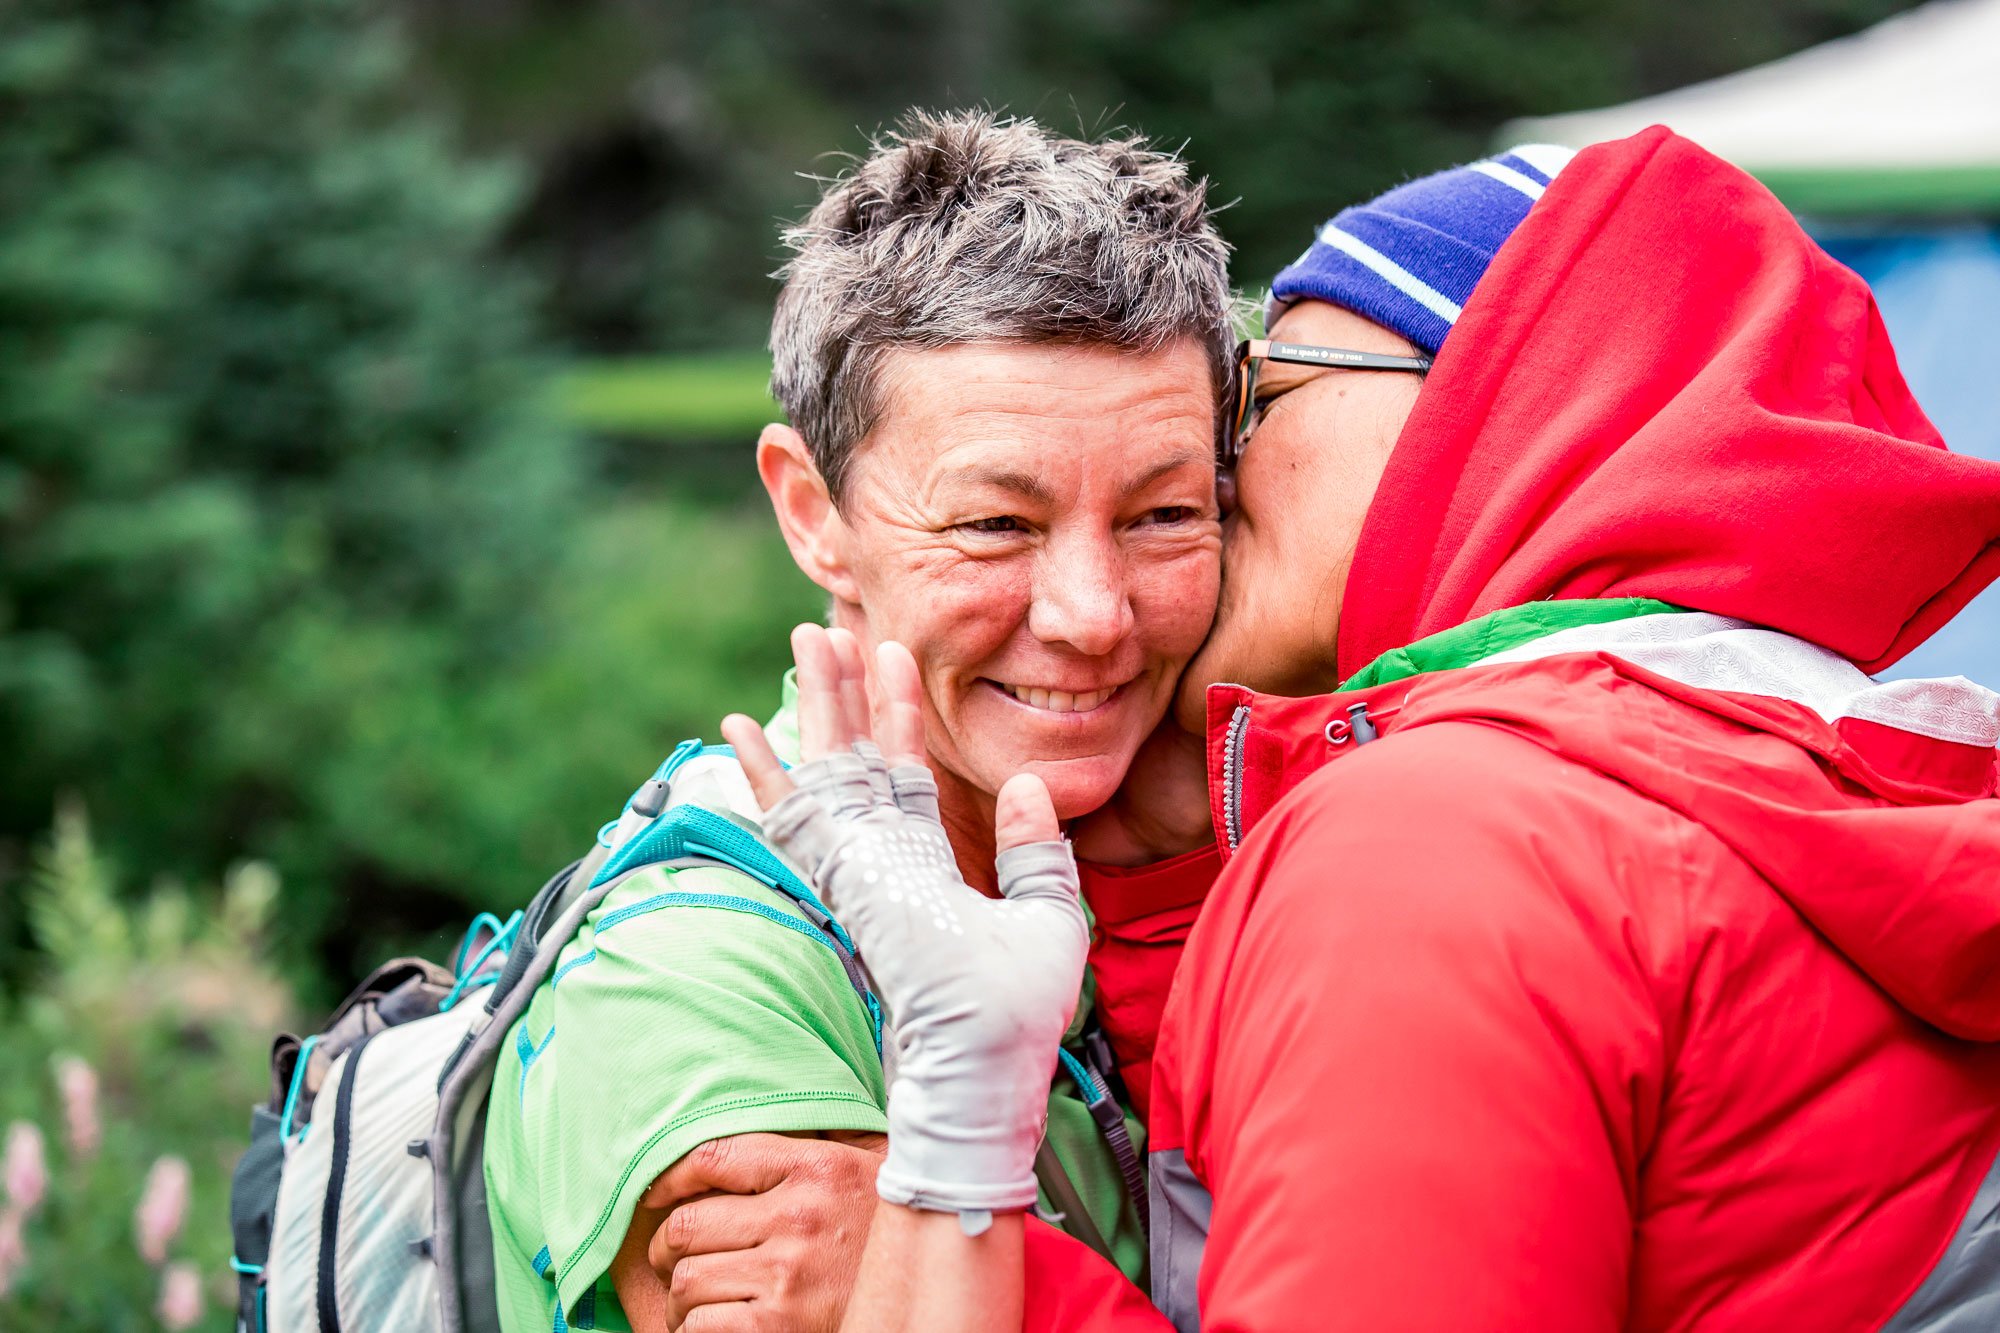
(1041, 516)
(1303, 487)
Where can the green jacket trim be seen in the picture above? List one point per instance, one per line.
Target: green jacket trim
(1475, 640)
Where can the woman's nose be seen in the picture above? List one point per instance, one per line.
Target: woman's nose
(1081, 601)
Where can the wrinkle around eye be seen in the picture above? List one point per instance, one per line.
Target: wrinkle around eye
(975, 543)
(1192, 535)
(976, 526)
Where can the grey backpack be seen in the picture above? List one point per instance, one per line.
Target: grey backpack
(361, 1203)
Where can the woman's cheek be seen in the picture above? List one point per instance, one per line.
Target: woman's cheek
(971, 584)
(1175, 599)
(968, 612)
(932, 596)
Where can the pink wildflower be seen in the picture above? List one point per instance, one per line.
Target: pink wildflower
(78, 1083)
(180, 1296)
(27, 1170)
(162, 1208)
(13, 1245)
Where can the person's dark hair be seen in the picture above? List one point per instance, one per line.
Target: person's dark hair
(967, 227)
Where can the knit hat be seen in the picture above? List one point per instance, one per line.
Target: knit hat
(1410, 258)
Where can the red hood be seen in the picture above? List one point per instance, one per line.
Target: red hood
(1663, 388)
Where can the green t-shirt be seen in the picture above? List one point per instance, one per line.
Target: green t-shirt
(694, 1003)
(688, 1008)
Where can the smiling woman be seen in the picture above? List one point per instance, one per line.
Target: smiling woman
(1002, 354)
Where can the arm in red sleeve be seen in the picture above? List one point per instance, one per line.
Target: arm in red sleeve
(1073, 1289)
(1414, 1045)
(1141, 917)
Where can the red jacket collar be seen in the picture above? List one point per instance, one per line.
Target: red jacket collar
(1260, 746)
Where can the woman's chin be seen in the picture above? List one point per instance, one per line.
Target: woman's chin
(1076, 786)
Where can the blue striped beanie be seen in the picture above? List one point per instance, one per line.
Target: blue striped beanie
(1410, 258)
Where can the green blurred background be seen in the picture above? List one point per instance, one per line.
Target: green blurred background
(377, 390)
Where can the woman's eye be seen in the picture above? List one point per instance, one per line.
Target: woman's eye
(1003, 524)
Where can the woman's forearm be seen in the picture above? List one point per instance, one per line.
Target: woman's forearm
(979, 989)
(922, 1274)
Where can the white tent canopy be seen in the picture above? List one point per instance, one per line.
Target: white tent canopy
(1902, 117)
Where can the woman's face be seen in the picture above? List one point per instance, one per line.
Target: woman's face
(1038, 525)
(1302, 488)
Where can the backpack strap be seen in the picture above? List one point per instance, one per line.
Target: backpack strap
(536, 918)
(1071, 1212)
(678, 835)
(692, 834)
(1110, 1117)
(459, 1243)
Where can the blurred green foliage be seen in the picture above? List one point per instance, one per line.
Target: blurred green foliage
(660, 618)
(298, 557)
(267, 394)
(164, 1001)
(669, 137)
(692, 397)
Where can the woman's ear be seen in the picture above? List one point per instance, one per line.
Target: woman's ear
(813, 527)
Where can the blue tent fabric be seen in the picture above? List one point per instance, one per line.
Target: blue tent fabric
(1939, 291)
(1940, 296)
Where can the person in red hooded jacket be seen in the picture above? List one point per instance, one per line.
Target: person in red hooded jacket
(1608, 950)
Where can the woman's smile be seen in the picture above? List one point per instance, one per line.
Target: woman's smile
(1080, 704)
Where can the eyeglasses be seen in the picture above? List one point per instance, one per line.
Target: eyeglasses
(1253, 352)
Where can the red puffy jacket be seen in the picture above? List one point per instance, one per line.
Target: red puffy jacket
(1619, 965)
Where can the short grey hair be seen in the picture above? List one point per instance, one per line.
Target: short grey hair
(968, 227)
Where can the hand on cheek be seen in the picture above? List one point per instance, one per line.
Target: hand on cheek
(835, 710)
